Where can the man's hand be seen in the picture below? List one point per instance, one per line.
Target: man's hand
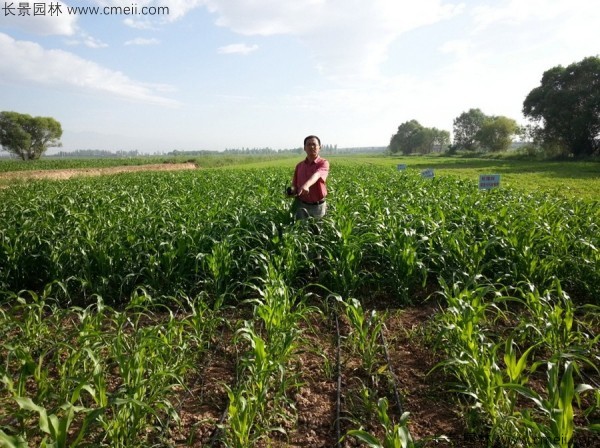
(303, 190)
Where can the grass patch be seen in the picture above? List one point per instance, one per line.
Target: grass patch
(571, 179)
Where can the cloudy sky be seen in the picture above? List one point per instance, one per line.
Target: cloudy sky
(216, 74)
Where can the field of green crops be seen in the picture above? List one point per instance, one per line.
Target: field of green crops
(187, 309)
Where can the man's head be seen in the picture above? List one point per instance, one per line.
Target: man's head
(312, 146)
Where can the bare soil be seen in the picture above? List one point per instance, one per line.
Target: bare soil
(67, 174)
(313, 407)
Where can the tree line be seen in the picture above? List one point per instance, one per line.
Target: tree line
(564, 114)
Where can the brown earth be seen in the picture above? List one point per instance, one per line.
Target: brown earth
(313, 409)
(67, 174)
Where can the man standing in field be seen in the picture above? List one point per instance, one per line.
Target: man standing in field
(308, 183)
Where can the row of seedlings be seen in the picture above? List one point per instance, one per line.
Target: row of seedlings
(258, 402)
(498, 354)
(96, 375)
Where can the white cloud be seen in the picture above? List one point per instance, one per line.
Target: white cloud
(517, 11)
(57, 22)
(92, 42)
(513, 42)
(143, 41)
(28, 62)
(457, 47)
(177, 8)
(568, 27)
(87, 40)
(346, 39)
(268, 17)
(237, 49)
(140, 24)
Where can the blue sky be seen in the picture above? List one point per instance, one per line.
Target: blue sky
(216, 74)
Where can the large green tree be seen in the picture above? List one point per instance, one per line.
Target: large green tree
(566, 107)
(440, 139)
(28, 137)
(474, 130)
(408, 137)
(496, 133)
(466, 127)
(412, 137)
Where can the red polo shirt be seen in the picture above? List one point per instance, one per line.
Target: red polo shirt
(304, 171)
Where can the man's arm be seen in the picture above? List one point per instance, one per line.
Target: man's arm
(321, 173)
(310, 182)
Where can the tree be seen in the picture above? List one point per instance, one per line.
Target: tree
(26, 136)
(566, 106)
(440, 140)
(408, 138)
(496, 133)
(476, 130)
(412, 137)
(466, 127)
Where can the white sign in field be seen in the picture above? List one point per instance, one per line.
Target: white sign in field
(428, 173)
(401, 166)
(489, 181)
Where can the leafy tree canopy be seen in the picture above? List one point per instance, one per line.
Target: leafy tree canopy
(412, 137)
(566, 106)
(466, 127)
(496, 133)
(475, 130)
(28, 137)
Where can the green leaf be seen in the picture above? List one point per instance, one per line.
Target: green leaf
(405, 437)
(526, 392)
(583, 388)
(12, 441)
(28, 405)
(365, 437)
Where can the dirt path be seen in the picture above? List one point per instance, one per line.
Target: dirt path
(67, 174)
